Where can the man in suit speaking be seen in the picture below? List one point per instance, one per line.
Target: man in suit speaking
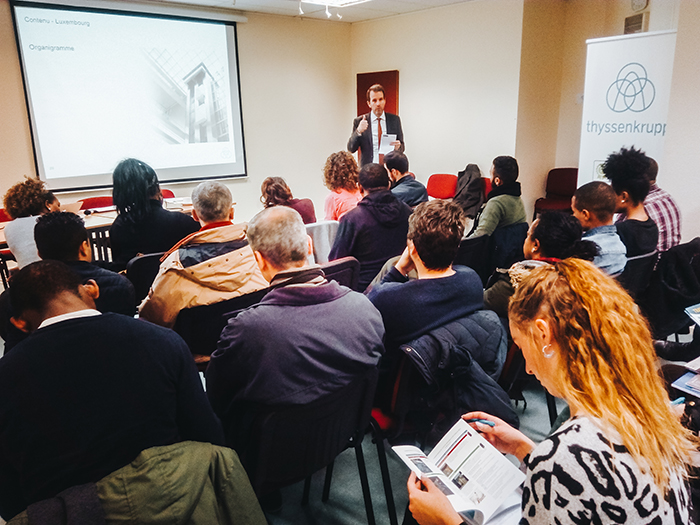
(368, 129)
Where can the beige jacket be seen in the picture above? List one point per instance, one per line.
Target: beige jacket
(204, 268)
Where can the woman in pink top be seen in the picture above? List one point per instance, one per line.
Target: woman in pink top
(340, 176)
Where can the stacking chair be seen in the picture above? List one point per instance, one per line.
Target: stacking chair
(474, 253)
(442, 185)
(636, 276)
(561, 186)
(142, 271)
(167, 194)
(286, 444)
(345, 271)
(96, 202)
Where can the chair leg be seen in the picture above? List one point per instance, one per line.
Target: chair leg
(307, 489)
(551, 407)
(365, 482)
(384, 467)
(327, 482)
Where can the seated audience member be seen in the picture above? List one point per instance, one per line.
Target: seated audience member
(504, 207)
(209, 266)
(403, 184)
(626, 171)
(307, 338)
(61, 236)
(623, 455)
(340, 176)
(376, 229)
(469, 193)
(142, 226)
(86, 392)
(552, 237)
(441, 293)
(663, 210)
(275, 192)
(24, 202)
(594, 205)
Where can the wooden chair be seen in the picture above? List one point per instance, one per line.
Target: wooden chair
(442, 185)
(561, 185)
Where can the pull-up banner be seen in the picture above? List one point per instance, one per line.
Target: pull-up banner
(626, 95)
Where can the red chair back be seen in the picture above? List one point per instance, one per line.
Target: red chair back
(488, 185)
(442, 185)
(167, 194)
(561, 182)
(4, 216)
(96, 202)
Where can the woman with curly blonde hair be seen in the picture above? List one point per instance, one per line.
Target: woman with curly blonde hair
(24, 202)
(340, 176)
(623, 455)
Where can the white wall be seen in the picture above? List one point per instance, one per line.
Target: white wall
(458, 80)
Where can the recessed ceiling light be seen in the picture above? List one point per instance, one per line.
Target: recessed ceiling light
(335, 3)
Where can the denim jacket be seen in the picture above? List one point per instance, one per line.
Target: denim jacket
(613, 254)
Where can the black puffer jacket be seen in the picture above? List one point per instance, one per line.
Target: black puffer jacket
(459, 364)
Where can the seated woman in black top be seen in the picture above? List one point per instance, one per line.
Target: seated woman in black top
(142, 226)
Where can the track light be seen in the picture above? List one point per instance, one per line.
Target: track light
(328, 13)
(340, 17)
(301, 11)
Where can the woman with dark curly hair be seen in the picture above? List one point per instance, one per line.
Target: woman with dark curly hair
(340, 176)
(275, 192)
(24, 202)
(142, 226)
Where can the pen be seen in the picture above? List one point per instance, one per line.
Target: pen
(482, 421)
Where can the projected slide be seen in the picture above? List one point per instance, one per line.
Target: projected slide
(103, 87)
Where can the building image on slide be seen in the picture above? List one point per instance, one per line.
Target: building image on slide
(189, 97)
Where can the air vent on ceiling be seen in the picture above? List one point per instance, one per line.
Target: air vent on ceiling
(637, 23)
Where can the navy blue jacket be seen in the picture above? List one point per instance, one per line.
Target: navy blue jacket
(373, 232)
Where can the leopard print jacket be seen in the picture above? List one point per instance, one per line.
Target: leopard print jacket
(581, 475)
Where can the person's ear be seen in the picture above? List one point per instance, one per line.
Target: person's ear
(496, 180)
(543, 332)
(230, 214)
(362, 190)
(535, 245)
(91, 289)
(265, 268)
(194, 215)
(310, 241)
(21, 324)
(84, 252)
(624, 197)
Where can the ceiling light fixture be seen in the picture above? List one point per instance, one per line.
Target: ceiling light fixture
(328, 13)
(340, 17)
(335, 3)
(301, 12)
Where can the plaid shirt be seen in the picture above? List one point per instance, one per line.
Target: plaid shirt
(664, 211)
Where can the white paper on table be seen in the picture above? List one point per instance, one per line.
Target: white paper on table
(385, 145)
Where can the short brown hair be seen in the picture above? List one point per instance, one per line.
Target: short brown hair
(436, 228)
(340, 172)
(375, 88)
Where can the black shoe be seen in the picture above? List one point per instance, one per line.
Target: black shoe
(272, 502)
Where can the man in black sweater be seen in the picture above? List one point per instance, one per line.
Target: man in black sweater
(86, 392)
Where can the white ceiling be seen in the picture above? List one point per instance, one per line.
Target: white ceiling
(365, 11)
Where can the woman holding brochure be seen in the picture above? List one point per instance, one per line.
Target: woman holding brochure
(622, 456)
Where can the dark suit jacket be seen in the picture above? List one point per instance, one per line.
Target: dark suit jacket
(364, 141)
